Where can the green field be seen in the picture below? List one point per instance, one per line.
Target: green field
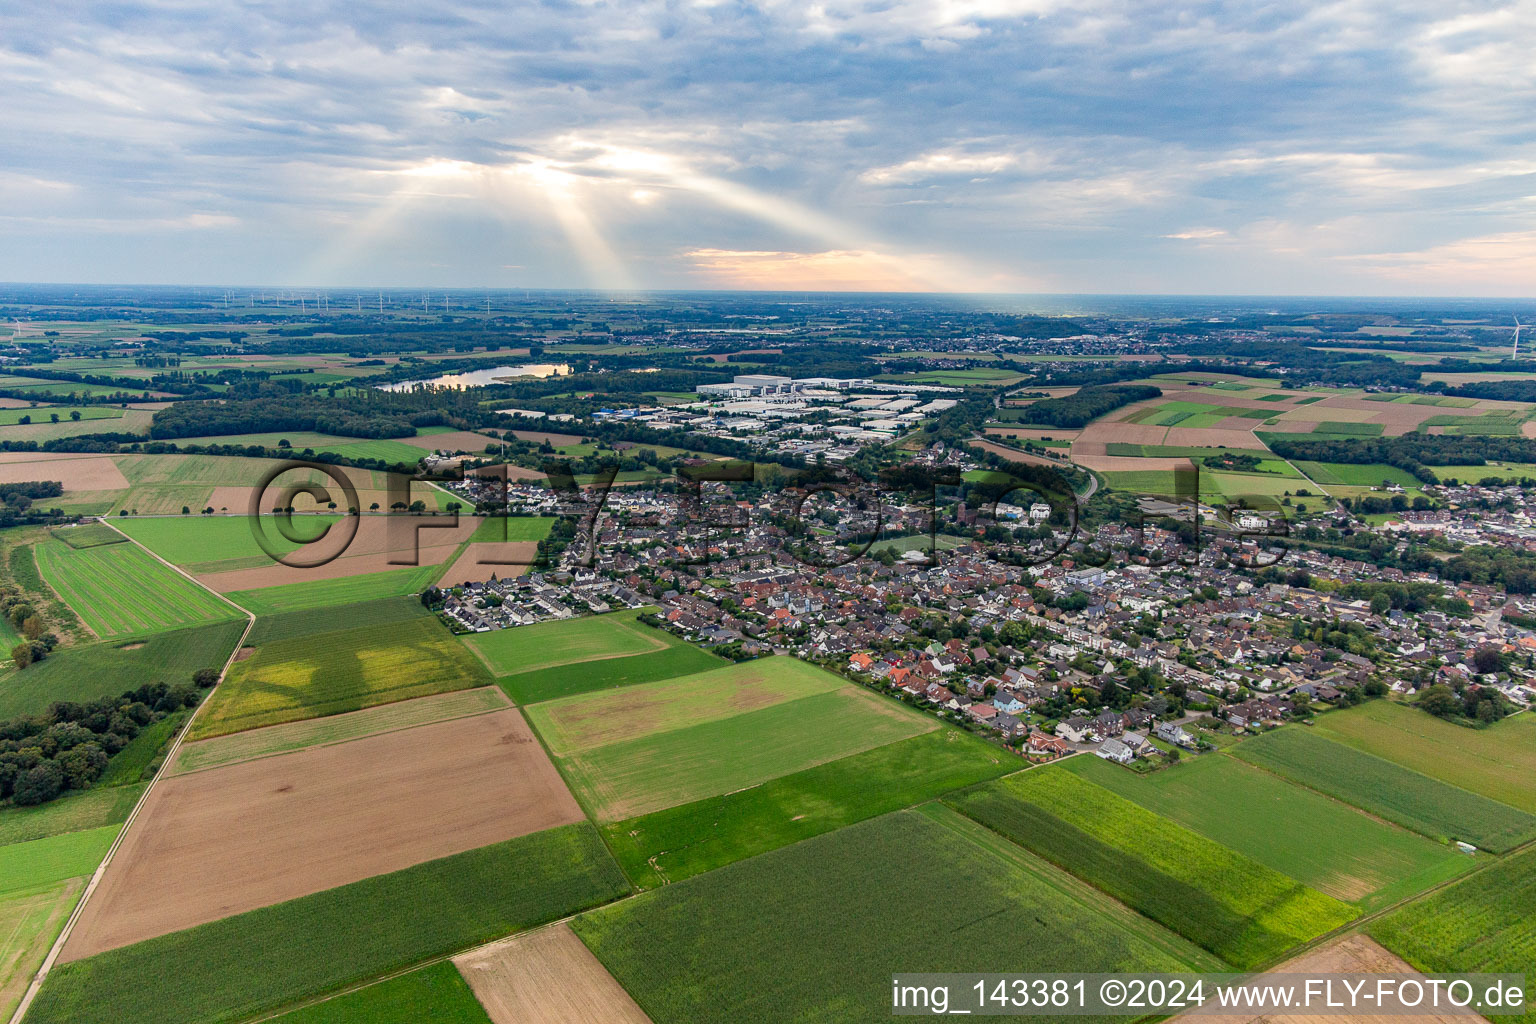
(919, 542)
(219, 543)
(1484, 923)
(278, 739)
(88, 535)
(1502, 470)
(1239, 909)
(1499, 762)
(30, 921)
(683, 841)
(566, 642)
(574, 724)
(76, 812)
(378, 612)
(811, 932)
(266, 959)
(344, 670)
(108, 669)
(45, 414)
(1388, 790)
(118, 590)
(436, 994)
(303, 443)
(643, 748)
(1193, 415)
(344, 590)
(678, 659)
(1317, 841)
(134, 763)
(1178, 451)
(1371, 475)
(512, 528)
(44, 861)
(1347, 428)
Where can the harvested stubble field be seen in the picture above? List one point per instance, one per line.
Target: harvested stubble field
(231, 839)
(1317, 841)
(263, 960)
(1230, 904)
(809, 932)
(570, 642)
(316, 732)
(106, 669)
(119, 590)
(643, 748)
(344, 670)
(1387, 789)
(546, 977)
(687, 840)
(1483, 923)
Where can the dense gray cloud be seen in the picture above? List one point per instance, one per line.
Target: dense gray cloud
(1002, 145)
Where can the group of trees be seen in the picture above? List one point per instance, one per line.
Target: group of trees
(70, 745)
(1088, 404)
(275, 406)
(1414, 453)
(1481, 704)
(36, 642)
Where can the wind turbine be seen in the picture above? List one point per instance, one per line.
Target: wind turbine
(1515, 352)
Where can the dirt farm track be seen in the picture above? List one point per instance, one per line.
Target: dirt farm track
(227, 840)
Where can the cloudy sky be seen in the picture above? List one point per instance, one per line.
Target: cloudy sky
(1285, 147)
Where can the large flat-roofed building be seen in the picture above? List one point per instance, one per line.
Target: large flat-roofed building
(766, 384)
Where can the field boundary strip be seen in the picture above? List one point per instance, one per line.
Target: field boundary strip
(170, 756)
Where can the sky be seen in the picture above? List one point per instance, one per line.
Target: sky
(999, 146)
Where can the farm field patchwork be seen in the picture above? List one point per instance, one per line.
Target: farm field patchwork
(345, 670)
(248, 835)
(642, 748)
(1371, 475)
(546, 976)
(1498, 762)
(119, 590)
(648, 773)
(678, 659)
(315, 732)
(1483, 923)
(311, 621)
(304, 442)
(568, 642)
(264, 960)
(343, 590)
(573, 724)
(197, 543)
(112, 667)
(1317, 841)
(1387, 789)
(1221, 900)
(689, 839)
(809, 932)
